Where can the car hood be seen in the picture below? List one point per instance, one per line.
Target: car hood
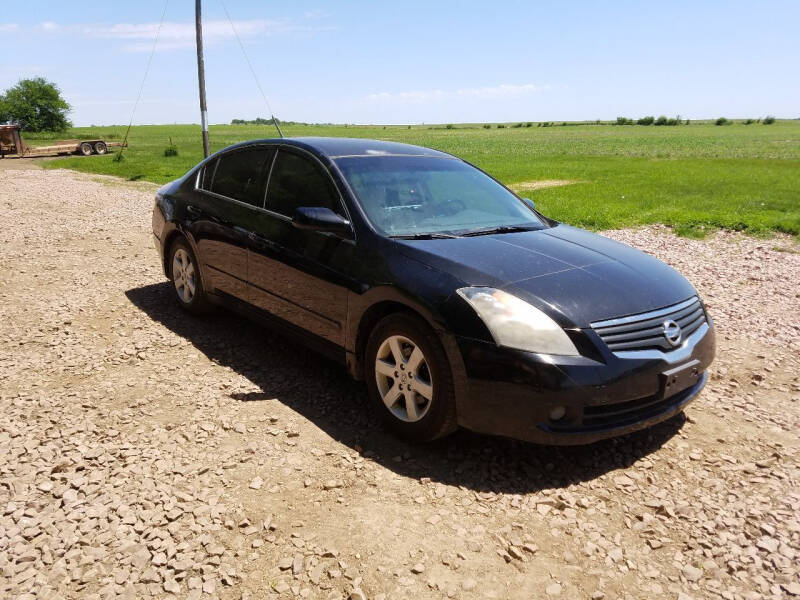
(577, 277)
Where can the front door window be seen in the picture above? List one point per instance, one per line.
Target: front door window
(296, 181)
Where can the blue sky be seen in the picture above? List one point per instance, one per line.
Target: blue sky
(412, 61)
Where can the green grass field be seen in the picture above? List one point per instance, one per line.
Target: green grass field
(695, 178)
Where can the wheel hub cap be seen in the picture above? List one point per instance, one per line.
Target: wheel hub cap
(183, 275)
(404, 378)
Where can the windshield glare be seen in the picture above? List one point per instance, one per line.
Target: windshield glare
(415, 195)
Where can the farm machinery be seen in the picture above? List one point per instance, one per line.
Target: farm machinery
(12, 144)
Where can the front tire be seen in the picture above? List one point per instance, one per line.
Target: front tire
(409, 380)
(187, 284)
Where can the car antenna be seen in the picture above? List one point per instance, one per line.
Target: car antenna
(252, 70)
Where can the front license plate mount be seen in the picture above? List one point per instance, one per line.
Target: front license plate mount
(678, 379)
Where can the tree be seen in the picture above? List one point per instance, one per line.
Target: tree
(36, 104)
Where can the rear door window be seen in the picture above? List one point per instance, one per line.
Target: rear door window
(297, 181)
(242, 175)
(208, 175)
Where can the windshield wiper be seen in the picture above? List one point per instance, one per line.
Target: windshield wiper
(500, 229)
(426, 236)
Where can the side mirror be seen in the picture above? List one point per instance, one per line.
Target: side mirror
(316, 218)
(529, 202)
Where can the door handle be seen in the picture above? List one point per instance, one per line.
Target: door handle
(197, 213)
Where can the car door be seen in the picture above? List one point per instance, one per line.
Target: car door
(230, 191)
(299, 275)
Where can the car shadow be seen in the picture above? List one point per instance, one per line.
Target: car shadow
(321, 391)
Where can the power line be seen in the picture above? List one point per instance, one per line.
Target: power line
(252, 70)
(146, 71)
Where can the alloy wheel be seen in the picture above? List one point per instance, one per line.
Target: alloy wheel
(183, 275)
(404, 378)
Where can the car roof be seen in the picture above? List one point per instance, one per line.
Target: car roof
(334, 147)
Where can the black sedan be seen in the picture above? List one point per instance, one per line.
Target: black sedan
(456, 301)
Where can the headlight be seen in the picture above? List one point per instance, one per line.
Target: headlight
(516, 324)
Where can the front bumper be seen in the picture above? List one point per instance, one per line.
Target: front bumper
(512, 393)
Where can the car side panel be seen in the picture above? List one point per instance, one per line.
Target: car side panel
(300, 276)
(360, 303)
(167, 225)
(221, 242)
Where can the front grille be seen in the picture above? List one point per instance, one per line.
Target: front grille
(645, 330)
(600, 417)
(607, 415)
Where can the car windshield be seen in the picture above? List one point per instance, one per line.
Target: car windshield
(423, 195)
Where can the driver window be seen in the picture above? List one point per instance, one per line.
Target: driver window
(296, 181)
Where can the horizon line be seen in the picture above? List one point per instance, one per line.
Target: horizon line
(442, 123)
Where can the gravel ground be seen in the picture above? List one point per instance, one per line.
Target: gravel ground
(144, 453)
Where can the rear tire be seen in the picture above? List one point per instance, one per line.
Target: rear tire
(100, 148)
(187, 283)
(409, 380)
(85, 148)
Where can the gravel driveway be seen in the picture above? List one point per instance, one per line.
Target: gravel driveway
(145, 453)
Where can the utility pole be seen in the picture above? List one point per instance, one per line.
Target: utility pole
(201, 76)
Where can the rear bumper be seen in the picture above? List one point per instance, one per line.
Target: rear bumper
(512, 393)
(159, 227)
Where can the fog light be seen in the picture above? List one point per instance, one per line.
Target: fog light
(557, 412)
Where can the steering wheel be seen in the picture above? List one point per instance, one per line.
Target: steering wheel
(451, 206)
